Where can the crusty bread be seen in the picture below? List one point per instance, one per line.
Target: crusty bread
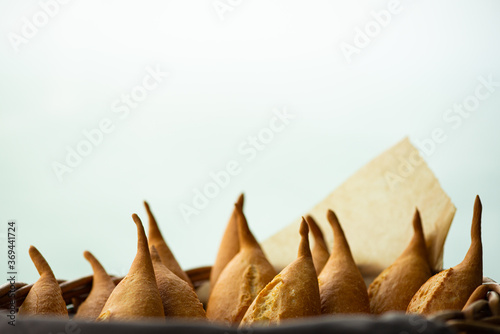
(242, 278)
(293, 293)
(319, 251)
(229, 245)
(393, 289)
(341, 286)
(178, 298)
(155, 238)
(136, 297)
(450, 289)
(102, 286)
(45, 297)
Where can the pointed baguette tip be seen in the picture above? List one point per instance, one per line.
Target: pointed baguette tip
(238, 208)
(304, 228)
(39, 261)
(417, 221)
(477, 202)
(332, 218)
(476, 219)
(245, 236)
(304, 249)
(241, 199)
(478, 208)
(313, 227)
(136, 219)
(86, 254)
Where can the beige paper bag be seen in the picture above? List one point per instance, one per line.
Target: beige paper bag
(375, 207)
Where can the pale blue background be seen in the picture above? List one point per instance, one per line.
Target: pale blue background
(225, 79)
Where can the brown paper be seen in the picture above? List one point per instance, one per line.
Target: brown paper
(375, 207)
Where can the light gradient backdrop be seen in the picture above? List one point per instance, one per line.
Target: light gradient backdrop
(228, 71)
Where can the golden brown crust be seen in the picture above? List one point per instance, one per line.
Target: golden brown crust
(136, 296)
(293, 293)
(451, 288)
(319, 251)
(102, 286)
(45, 297)
(178, 298)
(341, 286)
(241, 280)
(393, 289)
(229, 246)
(156, 239)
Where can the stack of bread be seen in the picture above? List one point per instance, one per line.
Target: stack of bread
(246, 289)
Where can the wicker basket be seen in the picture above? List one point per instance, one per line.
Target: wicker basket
(481, 314)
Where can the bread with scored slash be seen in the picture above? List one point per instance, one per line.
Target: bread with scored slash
(242, 278)
(450, 289)
(293, 293)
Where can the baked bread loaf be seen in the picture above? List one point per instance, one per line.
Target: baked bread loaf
(102, 286)
(136, 297)
(450, 289)
(293, 293)
(155, 238)
(242, 278)
(341, 286)
(393, 289)
(178, 298)
(45, 297)
(229, 245)
(319, 251)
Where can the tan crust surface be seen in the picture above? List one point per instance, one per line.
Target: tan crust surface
(293, 293)
(341, 286)
(241, 280)
(178, 298)
(393, 289)
(451, 288)
(156, 239)
(136, 297)
(102, 286)
(229, 245)
(45, 297)
(319, 251)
